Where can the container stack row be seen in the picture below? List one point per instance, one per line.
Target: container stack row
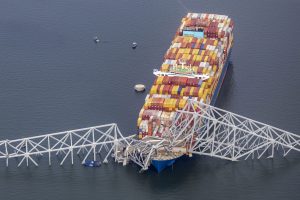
(199, 48)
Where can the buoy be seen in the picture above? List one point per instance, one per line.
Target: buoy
(139, 87)
(96, 39)
(134, 45)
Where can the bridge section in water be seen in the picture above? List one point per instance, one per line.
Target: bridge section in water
(200, 128)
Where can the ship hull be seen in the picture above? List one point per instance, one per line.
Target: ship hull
(160, 165)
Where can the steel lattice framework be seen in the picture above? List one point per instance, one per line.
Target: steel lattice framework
(212, 131)
(202, 129)
(102, 141)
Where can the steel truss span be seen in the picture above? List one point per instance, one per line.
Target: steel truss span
(92, 142)
(214, 132)
(199, 128)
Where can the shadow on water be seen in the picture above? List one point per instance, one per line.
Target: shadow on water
(181, 173)
(203, 168)
(227, 90)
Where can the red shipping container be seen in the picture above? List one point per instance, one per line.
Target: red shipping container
(197, 63)
(197, 46)
(183, 81)
(186, 91)
(196, 91)
(194, 40)
(166, 89)
(166, 80)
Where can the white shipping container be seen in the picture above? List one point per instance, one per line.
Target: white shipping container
(176, 45)
(194, 15)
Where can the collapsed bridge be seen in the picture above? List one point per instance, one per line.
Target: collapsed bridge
(202, 129)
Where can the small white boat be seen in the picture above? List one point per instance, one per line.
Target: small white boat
(139, 87)
(96, 39)
(134, 45)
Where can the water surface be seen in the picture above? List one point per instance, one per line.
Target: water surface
(53, 78)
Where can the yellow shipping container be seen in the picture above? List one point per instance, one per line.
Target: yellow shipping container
(185, 56)
(205, 94)
(174, 103)
(140, 136)
(161, 89)
(210, 80)
(175, 89)
(181, 50)
(159, 80)
(191, 91)
(139, 121)
(195, 51)
(165, 67)
(182, 103)
(200, 93)
(182, 91)
(206, 58)
(215, 43)
(214, 56)
(153, 89)
(146, 106)
(202, 53)
(210, 90)
(187, 51)
(141, 112)
(201, 58)
(166, 103)
(171, 103)
(215, 68)
(195, 69)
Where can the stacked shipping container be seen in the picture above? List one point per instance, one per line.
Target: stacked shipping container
(200, 46)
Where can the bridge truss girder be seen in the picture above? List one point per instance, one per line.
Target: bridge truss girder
(218, 133)
(102, 141)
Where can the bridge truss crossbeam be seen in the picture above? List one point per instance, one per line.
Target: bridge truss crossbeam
(218, 133)
(102, 141)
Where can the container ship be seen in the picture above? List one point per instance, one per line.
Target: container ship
(193, 67)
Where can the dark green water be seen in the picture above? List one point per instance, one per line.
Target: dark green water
(53, 77)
